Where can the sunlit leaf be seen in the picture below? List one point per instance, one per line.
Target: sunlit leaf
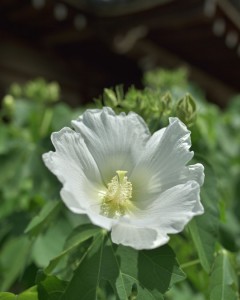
(7, 296)
(30, 294)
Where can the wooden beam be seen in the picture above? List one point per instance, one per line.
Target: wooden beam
(155, 56)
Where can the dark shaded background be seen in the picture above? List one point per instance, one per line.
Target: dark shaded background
(92, 44)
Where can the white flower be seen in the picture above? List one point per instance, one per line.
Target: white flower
(125, 180)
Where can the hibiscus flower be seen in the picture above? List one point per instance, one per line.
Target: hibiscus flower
(137, 185)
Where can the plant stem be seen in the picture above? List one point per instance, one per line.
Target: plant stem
(47, 118)
(190, 263)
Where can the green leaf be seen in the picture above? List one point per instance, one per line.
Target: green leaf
(30, 294)
(229, 233)
(223, 280)
(41, 221)
(158, 269)
(51, 242)
(77, 237)
(148, 274)
(204, 229)
(5, 142)
(7, 296)
(153, 271)
(13, 259)
(184, 291)
(50, 288)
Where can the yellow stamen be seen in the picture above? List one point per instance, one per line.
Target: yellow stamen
(116, 201)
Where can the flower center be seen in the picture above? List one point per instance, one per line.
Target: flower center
(116, 200)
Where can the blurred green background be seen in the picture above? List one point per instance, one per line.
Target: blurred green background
(161, 59)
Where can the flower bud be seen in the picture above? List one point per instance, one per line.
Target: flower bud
(16, 90)
(186, 110)
(166, 102)
(8, 104)
(110, 98)
(53, 91)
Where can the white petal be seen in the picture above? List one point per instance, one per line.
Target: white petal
(74, 166)
(136, 237)
(195, 172)
(71, 201)
(178, 176)
(164, 160)
(115, 141)
(99, 220)
(173, 209)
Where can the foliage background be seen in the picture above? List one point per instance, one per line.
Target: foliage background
(46, 251)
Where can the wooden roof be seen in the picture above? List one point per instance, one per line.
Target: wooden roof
(87, 49)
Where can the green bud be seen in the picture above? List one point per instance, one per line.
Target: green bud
(166, 102)
(8, 104)
(109, 98)
(36, 90)
(53, 91)
(134, 293)
(186, 110)
(15, 90)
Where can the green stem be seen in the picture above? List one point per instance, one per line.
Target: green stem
(190, 263)
(46, 121)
